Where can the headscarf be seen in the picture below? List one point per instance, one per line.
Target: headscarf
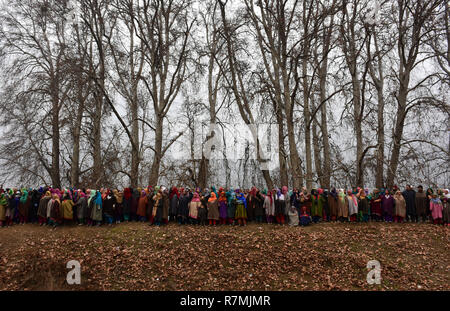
(196, 197)
(213, 197)
(118, 195)
(213, 188)
(447, 195)
(173, 192)
(341, 194)
(398, 196)
(24, 197)
(93, 192)
(127, 193)
(98, 199)
(240, 196)
(333, 193)
(3, 200)
(222, 197)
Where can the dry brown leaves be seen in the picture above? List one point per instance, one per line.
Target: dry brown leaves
(135, 256)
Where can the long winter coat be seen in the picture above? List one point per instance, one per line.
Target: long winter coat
(421, 203)
(67, 209)
(333, 205)
(173, 210)
(166, 206)
(410, 199)
(343, 207)
(42, 209)
(387, 204)
(213, 210)
(436, 209)
(269, 206)
(81, 207)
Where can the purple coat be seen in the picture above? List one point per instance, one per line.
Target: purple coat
(223, 209)
(388, 205)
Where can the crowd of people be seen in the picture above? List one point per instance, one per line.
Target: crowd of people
(211, 206)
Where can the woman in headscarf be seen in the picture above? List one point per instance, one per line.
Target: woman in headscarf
(342, 206)
(387, 203)
(90, 194)
(287, 203)
(316, 208)
(24, 205)
(42, 209)
(213, 209)
(126, 204)
(9, 213)
(118, 206)
(67, 208)
(157, 208)
(375, 206)
(352, 206)
(174, 198)
(151, 203)
(436, 209)
(35, 198)
(166, 206)
(446, 208)
(241, 208)
(279, 206)
(183, 207)
(97, 209)
(400, 207)
(269, 206)
(429, 194)
(363, 207)
(231, 206)
(251, 204)
(108, 202)
(203, 210)
(81, 207)
(134, 204)
(421, 204)
(222, 207)
(194, 206)
(3, 205)
(142, 206)
(259, 208)
(333, 204)
(55, 211)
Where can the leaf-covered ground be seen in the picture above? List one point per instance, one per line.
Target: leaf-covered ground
(135, 256)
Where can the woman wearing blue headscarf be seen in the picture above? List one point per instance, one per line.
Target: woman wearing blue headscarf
(241, 208)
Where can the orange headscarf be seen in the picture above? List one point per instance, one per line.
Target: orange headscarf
(212, 198)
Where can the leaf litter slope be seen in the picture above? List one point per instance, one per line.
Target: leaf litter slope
(134, 256)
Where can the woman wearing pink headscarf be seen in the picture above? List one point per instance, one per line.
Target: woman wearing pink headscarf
(193, 209)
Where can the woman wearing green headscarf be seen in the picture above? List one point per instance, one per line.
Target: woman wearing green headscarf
(24, 206)
(342, 206)
(91, 194)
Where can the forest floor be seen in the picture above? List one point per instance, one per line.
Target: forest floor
(135, 256)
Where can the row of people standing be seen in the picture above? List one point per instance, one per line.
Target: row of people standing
(160, 205)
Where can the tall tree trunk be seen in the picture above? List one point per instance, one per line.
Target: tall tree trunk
(307, 120)
(134, 173)
(154, 172)
(398, 129)
(75, 165)
(316, 148)
(56, 178)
